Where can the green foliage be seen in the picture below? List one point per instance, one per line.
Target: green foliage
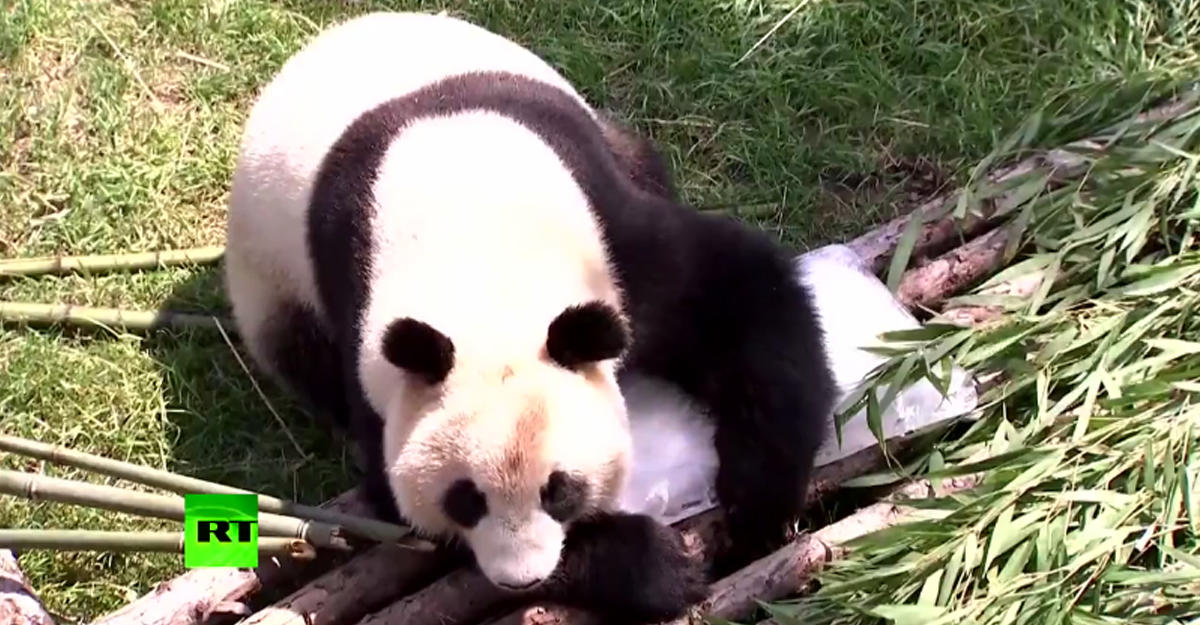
(1088, 512)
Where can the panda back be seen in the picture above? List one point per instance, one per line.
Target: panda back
(341, 74)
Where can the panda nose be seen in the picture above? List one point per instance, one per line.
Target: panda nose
(525, 586)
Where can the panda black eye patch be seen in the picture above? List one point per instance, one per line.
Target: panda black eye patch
(464, 504)
(563, 496)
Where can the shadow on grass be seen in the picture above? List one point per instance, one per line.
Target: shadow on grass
(235, 425)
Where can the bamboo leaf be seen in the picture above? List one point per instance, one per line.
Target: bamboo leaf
(908, 614)
(904, 248)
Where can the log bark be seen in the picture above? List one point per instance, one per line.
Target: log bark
(786, 571)
(354, 589)
(941, 230)
(19, 604)
(1017, 289)
(465, 596)
(927, 287)
(196, 596)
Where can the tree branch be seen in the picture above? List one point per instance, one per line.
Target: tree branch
(19, 605)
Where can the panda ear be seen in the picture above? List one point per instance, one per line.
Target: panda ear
(586, 333)
(418, 349)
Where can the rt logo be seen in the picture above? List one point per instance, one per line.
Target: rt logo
(220, 530)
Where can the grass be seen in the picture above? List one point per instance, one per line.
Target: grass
(119, 122)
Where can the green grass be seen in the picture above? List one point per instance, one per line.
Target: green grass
(119, 122)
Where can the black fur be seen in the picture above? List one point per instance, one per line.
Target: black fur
(585, 334)
(464, 504)
(563, 496)
(637, 157)
(714, 308)
(628, 569)
(303, 355)
(419, 349)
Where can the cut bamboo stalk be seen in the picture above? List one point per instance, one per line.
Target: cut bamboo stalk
(90, 540)
(365, 527)
(19, 605)
(33, 486)
(109, 262)
(195, 596)
(93, 317)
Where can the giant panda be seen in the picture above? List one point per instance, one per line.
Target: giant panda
(434, 240)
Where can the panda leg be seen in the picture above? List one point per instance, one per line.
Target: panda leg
(628, 569)
(641, 161)
(304, 357)
(772, 411)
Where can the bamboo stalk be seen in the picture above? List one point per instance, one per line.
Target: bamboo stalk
(193, 597)
(34, 487)
(89, 316)
(89, 540)
(18, 603)
(365, 527)
(109, 262)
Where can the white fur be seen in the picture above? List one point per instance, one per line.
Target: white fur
(520, 247)
(345, 70)
(488, 259)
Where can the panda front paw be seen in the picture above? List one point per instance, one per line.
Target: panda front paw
(628, 568)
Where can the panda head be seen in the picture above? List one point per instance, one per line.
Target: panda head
(505, 454)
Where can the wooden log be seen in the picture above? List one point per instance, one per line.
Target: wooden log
(786, 571)
(941, 230)
(19, 605)
(774, 576)
(927, 287)
(364, 584)
(196, 596)
(465, 596)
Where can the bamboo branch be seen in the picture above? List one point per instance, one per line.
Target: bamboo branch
(93, 317)
(19, 605)
(33, 486)
(109, 262)
(182, 484)
(171, 542)
(191, 598)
